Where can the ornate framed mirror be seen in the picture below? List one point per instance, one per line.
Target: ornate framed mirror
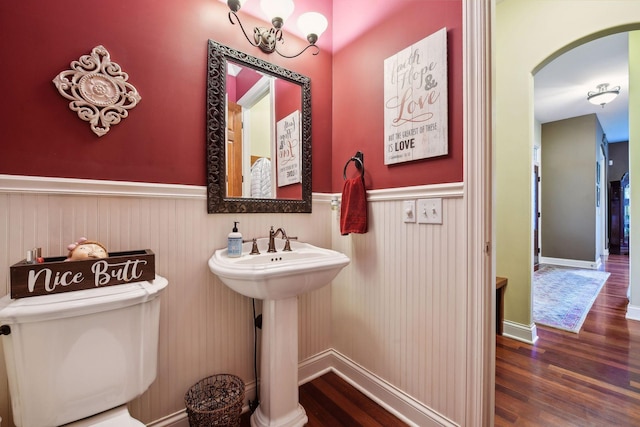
(254, 176)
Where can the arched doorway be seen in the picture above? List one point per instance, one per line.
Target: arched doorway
(529, 34)
(572, 136)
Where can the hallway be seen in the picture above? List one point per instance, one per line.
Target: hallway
(565, 379)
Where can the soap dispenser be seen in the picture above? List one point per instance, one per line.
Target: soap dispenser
(234, 242)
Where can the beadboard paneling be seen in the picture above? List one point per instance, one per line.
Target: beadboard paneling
(398, 310)
(205, 328)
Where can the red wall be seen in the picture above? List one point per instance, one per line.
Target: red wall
(245, 81)
(358, 83)
(163, 48)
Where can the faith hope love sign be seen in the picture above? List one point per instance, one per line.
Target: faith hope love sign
(415, 101)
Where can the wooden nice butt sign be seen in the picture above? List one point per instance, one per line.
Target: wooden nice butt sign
(416, 102)
(55, 275)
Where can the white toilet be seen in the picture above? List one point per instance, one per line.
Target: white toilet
(79, 357)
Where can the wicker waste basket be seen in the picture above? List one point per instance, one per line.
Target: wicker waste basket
(215, 401)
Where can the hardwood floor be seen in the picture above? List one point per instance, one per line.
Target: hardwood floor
(331, 401)
(565, 379)
(587, 379)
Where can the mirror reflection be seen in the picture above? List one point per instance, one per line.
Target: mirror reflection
(258, 135)
(263, 150)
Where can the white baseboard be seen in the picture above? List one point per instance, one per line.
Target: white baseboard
(593, 265)
(633, 312)
(520, 332)
(315, 366)
(394, 400)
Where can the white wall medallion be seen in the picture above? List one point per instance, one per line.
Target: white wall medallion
(98, 90)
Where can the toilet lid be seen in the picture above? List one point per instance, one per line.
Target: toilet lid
(77, 303)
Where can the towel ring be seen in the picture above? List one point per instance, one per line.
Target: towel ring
(359, 165)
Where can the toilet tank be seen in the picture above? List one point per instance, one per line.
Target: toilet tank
(75, 354)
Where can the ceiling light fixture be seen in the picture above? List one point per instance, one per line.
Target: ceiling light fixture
(313, 24)
(604, 95)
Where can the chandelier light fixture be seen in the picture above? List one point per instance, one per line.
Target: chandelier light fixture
(313, 24)
(603, 95)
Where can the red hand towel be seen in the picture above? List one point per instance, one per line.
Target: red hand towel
(353, 209)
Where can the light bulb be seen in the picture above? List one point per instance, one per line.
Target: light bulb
(277, 8)
(312, 23)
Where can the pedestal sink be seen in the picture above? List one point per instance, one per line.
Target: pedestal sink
(278, 278)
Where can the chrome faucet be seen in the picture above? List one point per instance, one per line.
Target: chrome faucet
(273, 235)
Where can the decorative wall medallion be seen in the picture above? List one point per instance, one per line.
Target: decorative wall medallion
(98, 90)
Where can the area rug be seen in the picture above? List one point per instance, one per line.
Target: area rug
(563, 296)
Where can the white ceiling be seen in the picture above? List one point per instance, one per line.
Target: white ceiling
(561, 87)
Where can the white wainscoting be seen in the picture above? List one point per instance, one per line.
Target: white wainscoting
(399, 310)
(394, 322)
(205, 327)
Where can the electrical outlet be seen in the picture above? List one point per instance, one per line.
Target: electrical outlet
(409, 211)
(429, 211)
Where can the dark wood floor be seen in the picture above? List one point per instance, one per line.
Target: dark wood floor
(587, 379)
(565, 379)
(331, 401)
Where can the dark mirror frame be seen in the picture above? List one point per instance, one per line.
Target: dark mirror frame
(217, 200)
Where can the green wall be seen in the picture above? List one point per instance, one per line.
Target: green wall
(568, 170)
(529, 34)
